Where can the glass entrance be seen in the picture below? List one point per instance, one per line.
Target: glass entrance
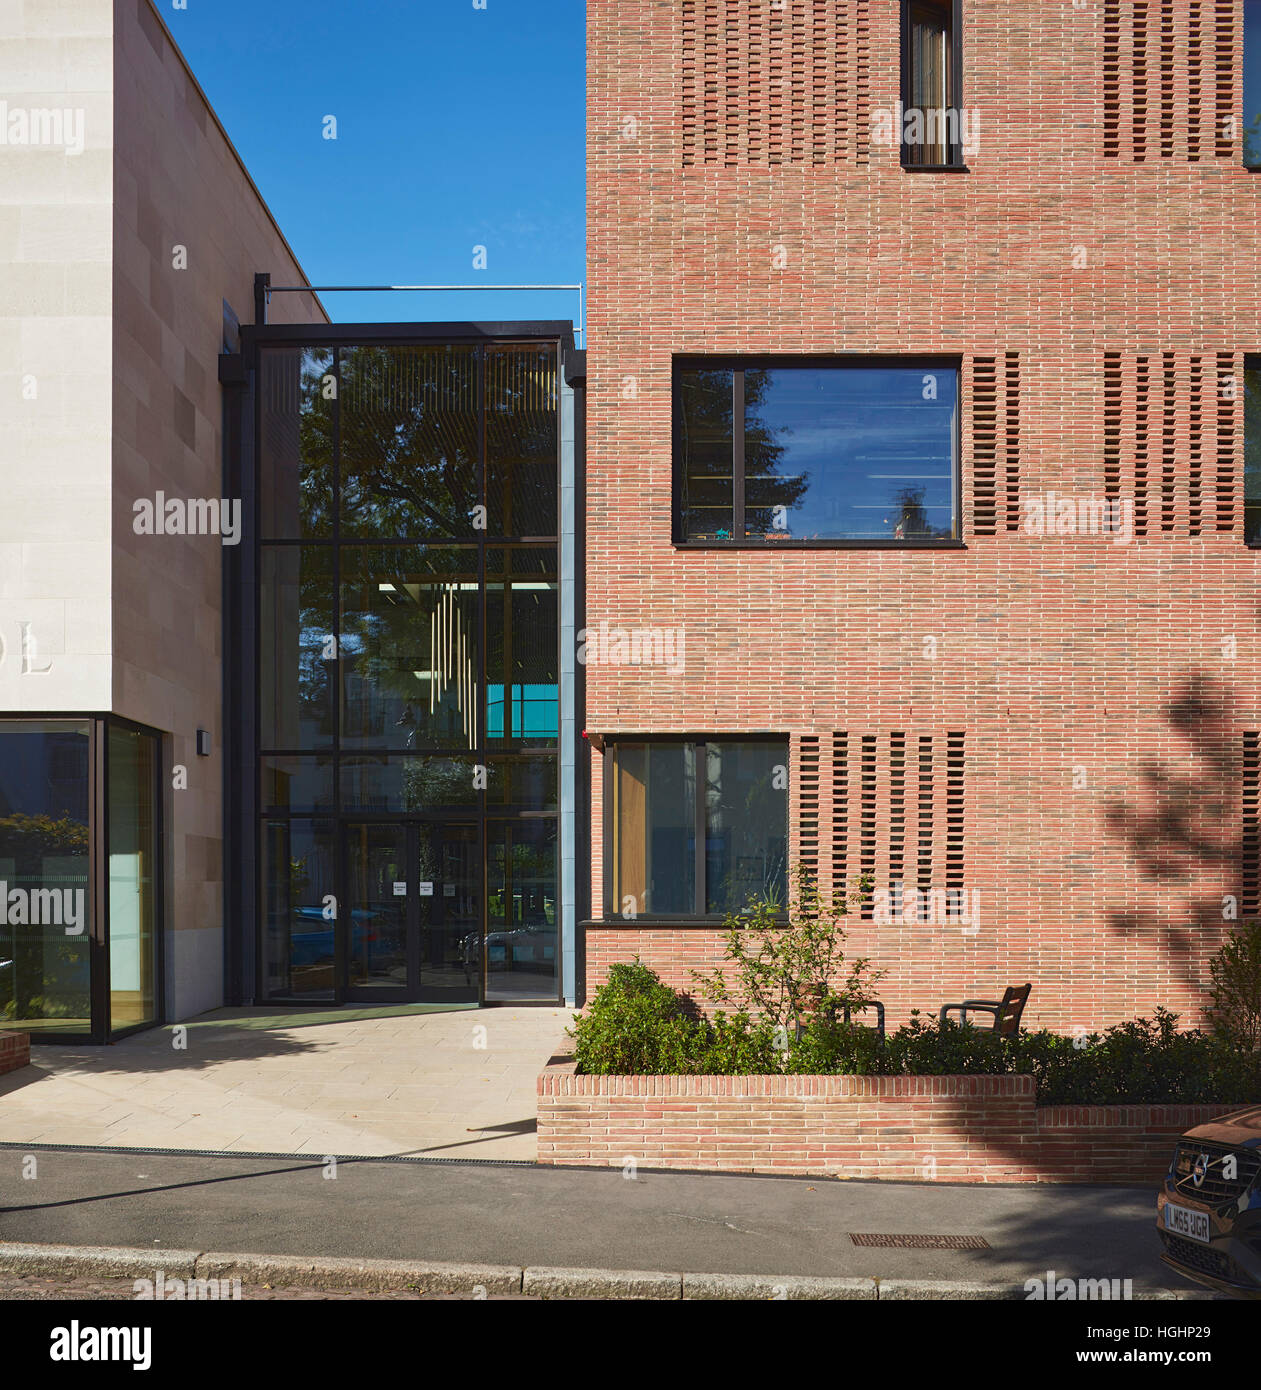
(521, 939)
(413, 911)
(408, 665)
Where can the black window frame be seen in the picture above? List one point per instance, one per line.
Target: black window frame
(698, 917)
(738, 364)
(101, 1030)
(955, 164)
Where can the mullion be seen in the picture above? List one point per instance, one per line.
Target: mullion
(737, 454)
(339, 675)
(700, 774)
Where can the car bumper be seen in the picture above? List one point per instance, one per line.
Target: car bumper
(1230, 1261)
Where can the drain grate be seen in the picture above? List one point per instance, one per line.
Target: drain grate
(920, 1242)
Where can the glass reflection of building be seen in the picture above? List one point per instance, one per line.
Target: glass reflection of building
(404, 601)
(80, 877)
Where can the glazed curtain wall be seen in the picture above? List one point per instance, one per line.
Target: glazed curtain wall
(408, 626)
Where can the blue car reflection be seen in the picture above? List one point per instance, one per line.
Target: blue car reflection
(316, 945)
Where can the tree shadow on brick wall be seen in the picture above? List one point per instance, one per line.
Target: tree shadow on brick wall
(1183, 825)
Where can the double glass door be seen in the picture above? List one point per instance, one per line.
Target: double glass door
(416, 927)
(413, 911)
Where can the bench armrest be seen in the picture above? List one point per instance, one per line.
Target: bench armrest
(989, 1006)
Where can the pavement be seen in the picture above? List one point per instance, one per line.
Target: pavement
(190, 1148)
(408, 1080)
(521, 1216)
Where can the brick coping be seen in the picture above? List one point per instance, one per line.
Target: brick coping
(560, 1078)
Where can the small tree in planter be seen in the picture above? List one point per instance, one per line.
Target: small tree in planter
(789, 966)
(1235, 971)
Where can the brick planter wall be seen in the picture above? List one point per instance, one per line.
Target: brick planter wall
(931, 1128)
(15, 1051)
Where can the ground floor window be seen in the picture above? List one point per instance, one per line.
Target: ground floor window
(696, 828)
(79, 877)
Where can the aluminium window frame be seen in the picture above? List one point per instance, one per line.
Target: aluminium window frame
(698, 917)
(737, 364)
(955, 165)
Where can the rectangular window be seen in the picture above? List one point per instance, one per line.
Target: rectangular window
(698, 829)
(1252, 83)
(932, 71)
(1252, 451)
(816, 452)
(133, 877)
(80, 878)
(45, 879)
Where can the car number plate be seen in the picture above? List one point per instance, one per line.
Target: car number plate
(1183, 1221)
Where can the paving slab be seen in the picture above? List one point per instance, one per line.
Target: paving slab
(365, 1083)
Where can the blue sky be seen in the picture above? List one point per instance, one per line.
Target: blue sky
(456, 127)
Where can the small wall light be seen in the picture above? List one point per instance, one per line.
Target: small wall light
(203, 743)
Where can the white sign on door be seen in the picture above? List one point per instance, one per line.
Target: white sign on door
(425, 890)
(400, 890)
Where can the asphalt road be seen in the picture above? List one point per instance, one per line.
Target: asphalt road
(526, 1215)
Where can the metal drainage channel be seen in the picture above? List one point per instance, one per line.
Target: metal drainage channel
(314, 1159)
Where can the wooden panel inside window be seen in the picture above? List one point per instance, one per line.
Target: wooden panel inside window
(630, 827)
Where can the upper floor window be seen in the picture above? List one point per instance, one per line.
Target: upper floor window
(1252, 83)
(1252, 451)
(932, 77)
(816, 451)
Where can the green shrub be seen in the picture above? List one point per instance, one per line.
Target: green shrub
(825, 1046)
(736, 1046)
(786, 966)
(633, 1025)
(636, 1025)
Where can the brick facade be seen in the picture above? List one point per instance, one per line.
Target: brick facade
(15, 1051)
(1097, 273)
(930, 1128)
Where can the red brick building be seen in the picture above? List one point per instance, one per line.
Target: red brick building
(1046, 704)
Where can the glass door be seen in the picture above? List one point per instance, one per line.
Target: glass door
(521, 917)
(449, 905)
(413, 917)
(379, 921)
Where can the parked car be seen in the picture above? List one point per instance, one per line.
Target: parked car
(1209, 1213)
